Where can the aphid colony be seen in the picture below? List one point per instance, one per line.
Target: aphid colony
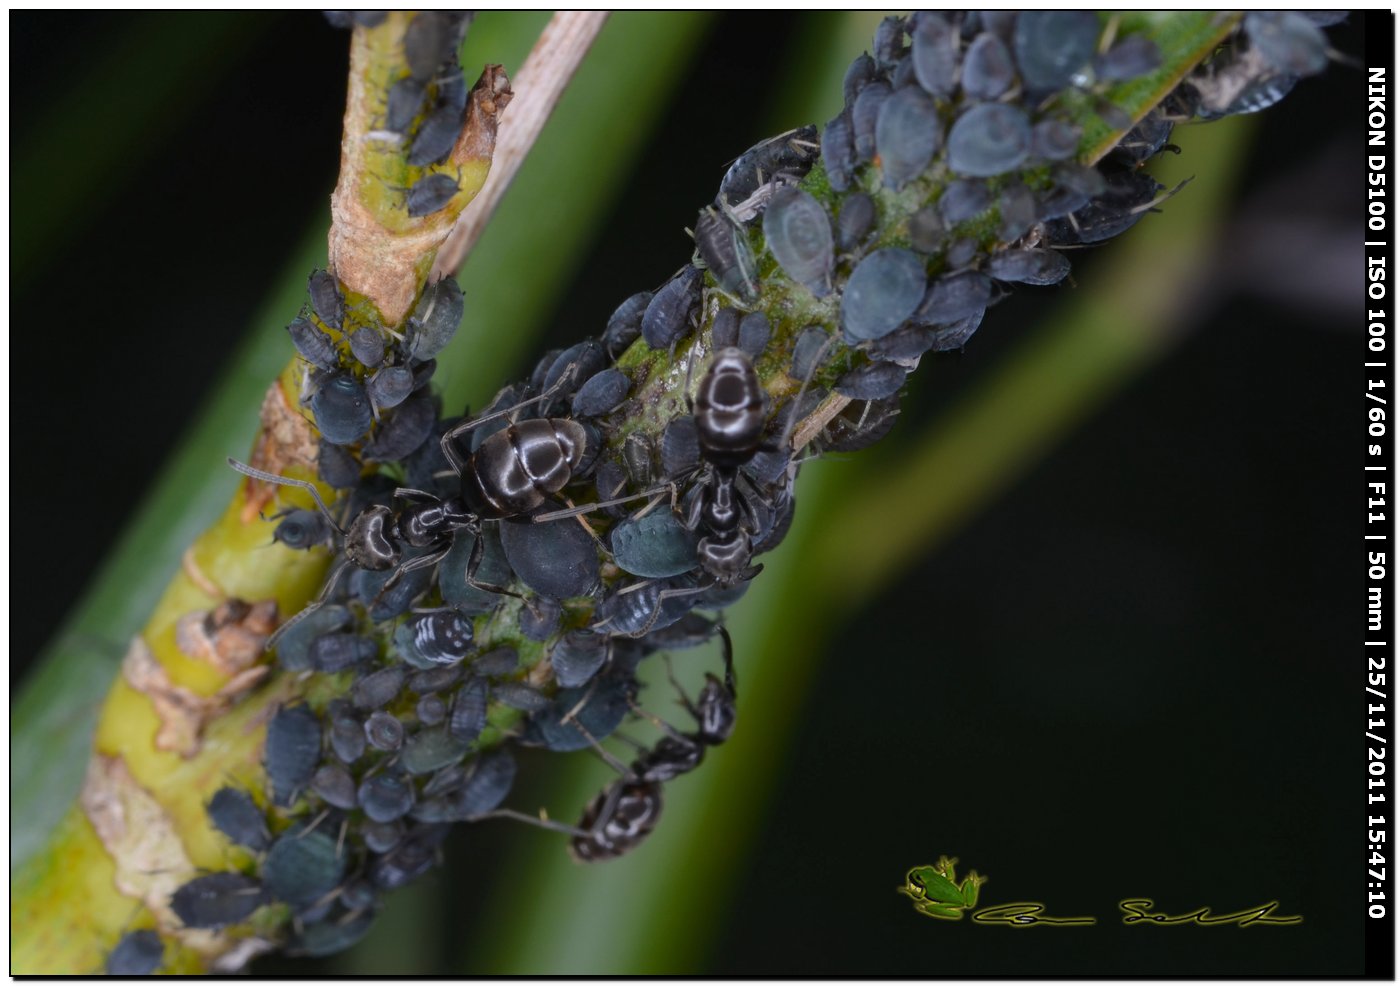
(551, 522)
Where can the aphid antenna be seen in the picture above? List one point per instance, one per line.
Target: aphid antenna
(796, 405)
(269, 477)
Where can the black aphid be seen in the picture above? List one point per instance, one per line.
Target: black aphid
(559, 560)
(367, 346)
(430, 710)
(291, 752)
(427, 42)
(654, 546)
(903, 346)
(314, 345)
(432, 747)
(342, 409)
(1052, 46)
(861, 73)
(302, 529)
(378, 688)
(333, 784)
(935, 54)
(347, 737)
(961, 252)
(541, 618)
(860, 425)
(810, 343)
(579, 363)
(430, 193)
(987, 70)
(1017, 206)
(724, 330)
(335, 652)
(1054, 139)
(871, 382)
(237, 815)
(864, 116)
(601, 394)
(433, 680)
(468, 715)
(1287, 40)
(855, 220)
(888, 45)
(799, 236)
(625, 324)
(326, 298)
(927, 230)
(1128, 59)
(954, 335)
(907, 135)
(303, 866)
(787, 158)
(599, 707)
(1033, 266)
(406, 862)
(883, 291)
(725, 249)
(329, 937)
(954, 297)
(680, 446)
(436, 136)
(388, 388)
(989, 139)
(838, 151)
(754, 333)
(385, 797)
(517, 695)
(577, 657)
(383, 731)
(402, 434)
(496, 663)
(669, 313)
(217, 900)
(405, 100)
(488, 785)
(336, 466)
(139, 953)
(962, 200)
(382, 837)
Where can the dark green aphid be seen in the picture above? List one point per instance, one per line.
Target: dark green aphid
(1287, 41)
(404, 432)
(367, 346)
(989, 139)
(435, 318)
(855, 220)
(385, 797)
(1052, 46)
(987, 69)
(927, 229)
(435, 138)
(342, 409)
(333, 784)
(962, 200)
(332, 653)
(383, 731)
(237, 815)
(302, 867)
(654, 546)
(625, 323)
(378, 688)
(430, 193)
(326, 298)
(1128, 59)
(577, 657)
(668, 315)
(725, 249)
(799, 237)
(1054, 139)
(541, 618)
(838, 151)
(935, 54)
(601, 394)
(139, 953)
(954, 297)
(405, 100)
(432, 639)
(468, 716)
(291, 752)
(555, 560)
(907, 135)
(314, 345)
(882, 293)
(864, 116)
(1033, 266)
(217, 900)
(871, 382)
(754, 333)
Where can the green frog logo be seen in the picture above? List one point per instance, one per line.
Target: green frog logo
(936, 892)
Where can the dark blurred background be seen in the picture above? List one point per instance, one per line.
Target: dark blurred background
(1131, 673)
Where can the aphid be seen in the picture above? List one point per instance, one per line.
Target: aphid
(725, 249)
(652, 605)
(302, 530)
(432, 748)
(385, 797)
(237, 815)
(861, 73)
(291, 752)
(430, 710)
(680, 446)
(436, 318)
(442, 638)
(754, 333)
(388, 594)
(989, 139)
(907, 135)
(577, 657)
(342, 409)
(326, 298)
(430, 193)
(954, 297)
(1287, 41)
(347, 738)
(935, 54)
(497, 662)
(328, 937)
(603, 393)
(855, 220)
(882, 293)
(427, 42)
(474, 593)
(382, 837)
(388, 388)
(599, 708)
(332, 653)
(1053, 45)
(987, 70)
(383, 731)
(436, 137)
(798, 232)
(367, 346)
(303, 866)
(838, 151)
(871, 382)
(903, 346)
(405, 100)
(864, 116)
(787, 158)
(314, 345)
(517, 695)
(433, 680)
(378, 688)
(541, 618)
(336, 466)
(1054, 139)
(1033, 266)
(962, 200)
(1075, 185)
(724, 329)
(625, 324)
(1017, 206)
(468, 716)
(955, 335)
(138, 953)
(888, 45)
(579, 363)
(669, 313)
(1129, 59)
(368, 18)
(655, 545)
(811, 343)
(217, 900)
(637, 457)
(903, 75)
(333, 784)
(961, 252)
(409, 860)
(1125, 200)
(555, 560)
(403, 433)
(488, 784)
(1149, 137)
(860, 425)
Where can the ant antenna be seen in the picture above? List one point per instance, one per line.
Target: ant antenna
(269, 477)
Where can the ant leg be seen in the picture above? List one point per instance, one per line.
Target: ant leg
(269, 477)
(316, 604)
(474, 562)
(411, 565)
(415, 496)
